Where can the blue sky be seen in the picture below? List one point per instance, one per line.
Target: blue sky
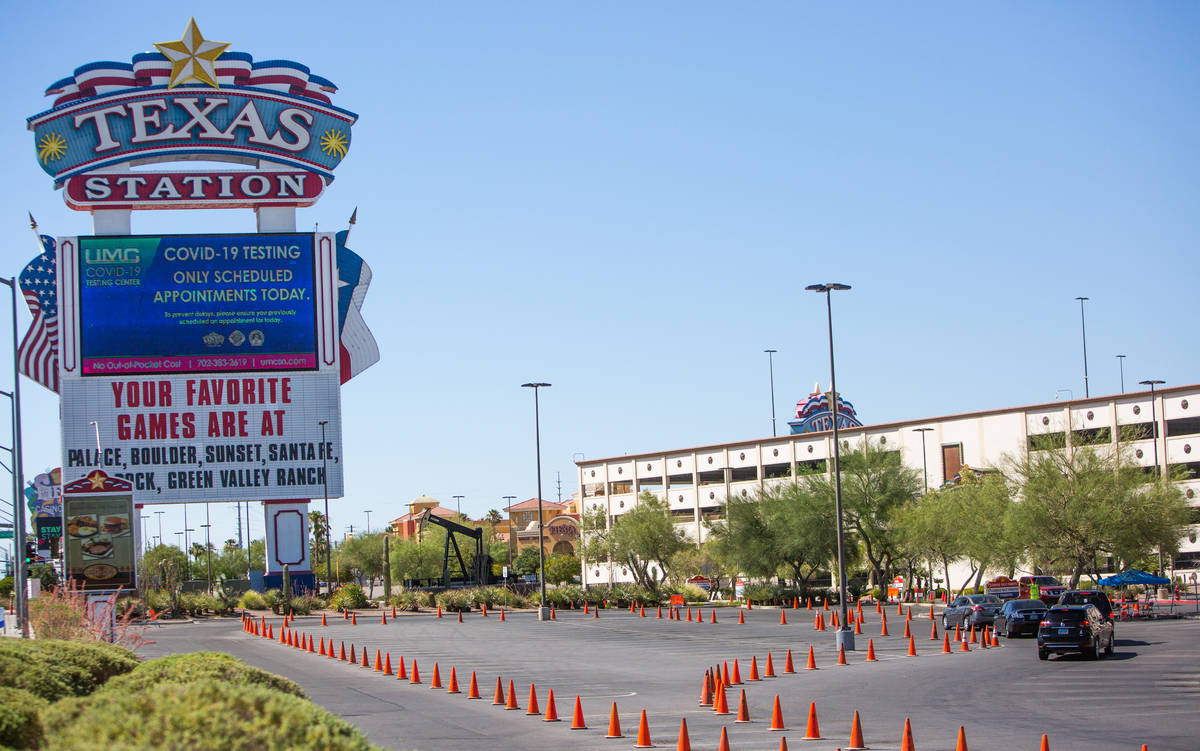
(626, 200)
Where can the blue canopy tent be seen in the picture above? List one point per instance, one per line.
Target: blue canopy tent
(1134, 576)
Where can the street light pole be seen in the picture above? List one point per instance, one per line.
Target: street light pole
(18, 474)
(458, 504)
(1154, 419)
(771, 366)
(512, 534)
(1121, 361)
(368, 521)
(845, 635)
(543, 611)
(924, 467)
(325, 483)
(159, 514)
(1083, 328)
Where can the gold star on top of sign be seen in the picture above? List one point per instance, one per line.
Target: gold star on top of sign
(97, 478)
(192, 57)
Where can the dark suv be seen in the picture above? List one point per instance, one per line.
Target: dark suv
(1088, 597)
(1075, 628)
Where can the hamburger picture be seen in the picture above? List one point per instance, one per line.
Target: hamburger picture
(115, 525)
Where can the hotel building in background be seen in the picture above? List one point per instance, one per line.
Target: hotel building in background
(697, 481)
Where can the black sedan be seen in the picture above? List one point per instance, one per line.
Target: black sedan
(1019, 617)
(1075, 628)
(970, 610)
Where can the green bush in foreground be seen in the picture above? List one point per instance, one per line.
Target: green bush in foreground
(349, 597)
(195, 666)
(52, 668)
(252, 600)
(204, 715)
(20, 726)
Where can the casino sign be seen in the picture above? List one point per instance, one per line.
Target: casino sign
(191, 100)
(814, 414)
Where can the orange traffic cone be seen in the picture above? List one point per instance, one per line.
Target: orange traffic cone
(753, 669)
(596, 612)
(723, 745)
(387, 663)
(966, 646)
(365, 662)
(345, 615)
(907, 631)
(378, 662)
(983, 639)
(879, 606)
(776, 716)
(883, 626)
(721, 703)
(498, 698)
(856, 736)
(614, 724)
(743, 714)
(401, 673)
(908, 614)
(473, 688)
(808, 603)
(460, 616)
(912, 647)
(1045, 743)
(737, 674)
(352, 657)
(659, 616)
(416, 674)
(812, 660)
(787, 666)
(511, 701)
(553, 613)
(452, 686)
(782, 617)
(962, 740)
(906, 740)
(836, 623)
(858, 625)
(973, 639)
(706, 698)
(532, 708)
(483, 609)
(714, 615)
(577, 722)
(439, 611)
(353, 619)
(393, 612)
(933, 631)
(813, 731)
(995, 639)
(741, 616)
(684, 743)
(321, 650)
(551, 711)
(342, 651)
(502, 615)
(643, 736)
(931, 610)
(946, 642)
(769, 672)
(383, 619)
(689, 615)
(841, 654)
(585, 607)
(957, 633)
(871, 650)
(323, 622)
(899, 608)
(436, 680)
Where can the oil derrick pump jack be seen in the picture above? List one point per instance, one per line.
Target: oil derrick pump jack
(480, 571)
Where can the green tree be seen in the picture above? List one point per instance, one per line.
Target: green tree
(709, 560)
(318, 533)
(412, 559)
(562, 569)
(643, 540)
(1081, 504)
(875, 486)
(364, 554)
(930, 528)
(527, 561)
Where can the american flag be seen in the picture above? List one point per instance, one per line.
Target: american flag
(38, 353)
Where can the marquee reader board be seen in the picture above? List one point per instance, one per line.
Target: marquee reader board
(206, 363)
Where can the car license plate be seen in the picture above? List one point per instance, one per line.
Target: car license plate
(1062, 631)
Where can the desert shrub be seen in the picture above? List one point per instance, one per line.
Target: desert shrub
(349, 596)
(490, 596)
(518, 600)
(133, 607)
(571, 593)
(252, 600)
(455, 600)
(275, 600)
(621, 595)
(194, 666)
(52, 668)
(207, 714)
(6, 587)
(410, 600)
(215, 604)
(158, 600)
(20, 726)
(305, 604)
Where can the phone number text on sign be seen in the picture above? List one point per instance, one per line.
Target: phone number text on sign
(195, 438)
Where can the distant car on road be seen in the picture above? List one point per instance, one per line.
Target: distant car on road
(970, 610)
(1044, 588)
(1019, 617)
(1075, 628)
(1088, 597)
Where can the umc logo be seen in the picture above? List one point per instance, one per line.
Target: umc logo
(193, 100)
(93, 256)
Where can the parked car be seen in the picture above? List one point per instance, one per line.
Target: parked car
(1088, 597)
(1075, 628)
(1019, 617)
(970, 610)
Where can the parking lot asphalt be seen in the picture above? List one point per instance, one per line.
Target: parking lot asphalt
(1004, 697)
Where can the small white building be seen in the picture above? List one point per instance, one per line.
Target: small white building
(696, 481)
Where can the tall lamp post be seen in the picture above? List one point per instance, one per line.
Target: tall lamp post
(771, 367)
(1121, 362)
(845, 634)
(368, 521)
(325, 483)
(1154, 419)
(924, 467)
(18, 473)
(458, 504)
(543, 611)
(1083, 329)
(512, 533)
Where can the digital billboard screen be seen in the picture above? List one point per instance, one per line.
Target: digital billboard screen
(197, 303)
